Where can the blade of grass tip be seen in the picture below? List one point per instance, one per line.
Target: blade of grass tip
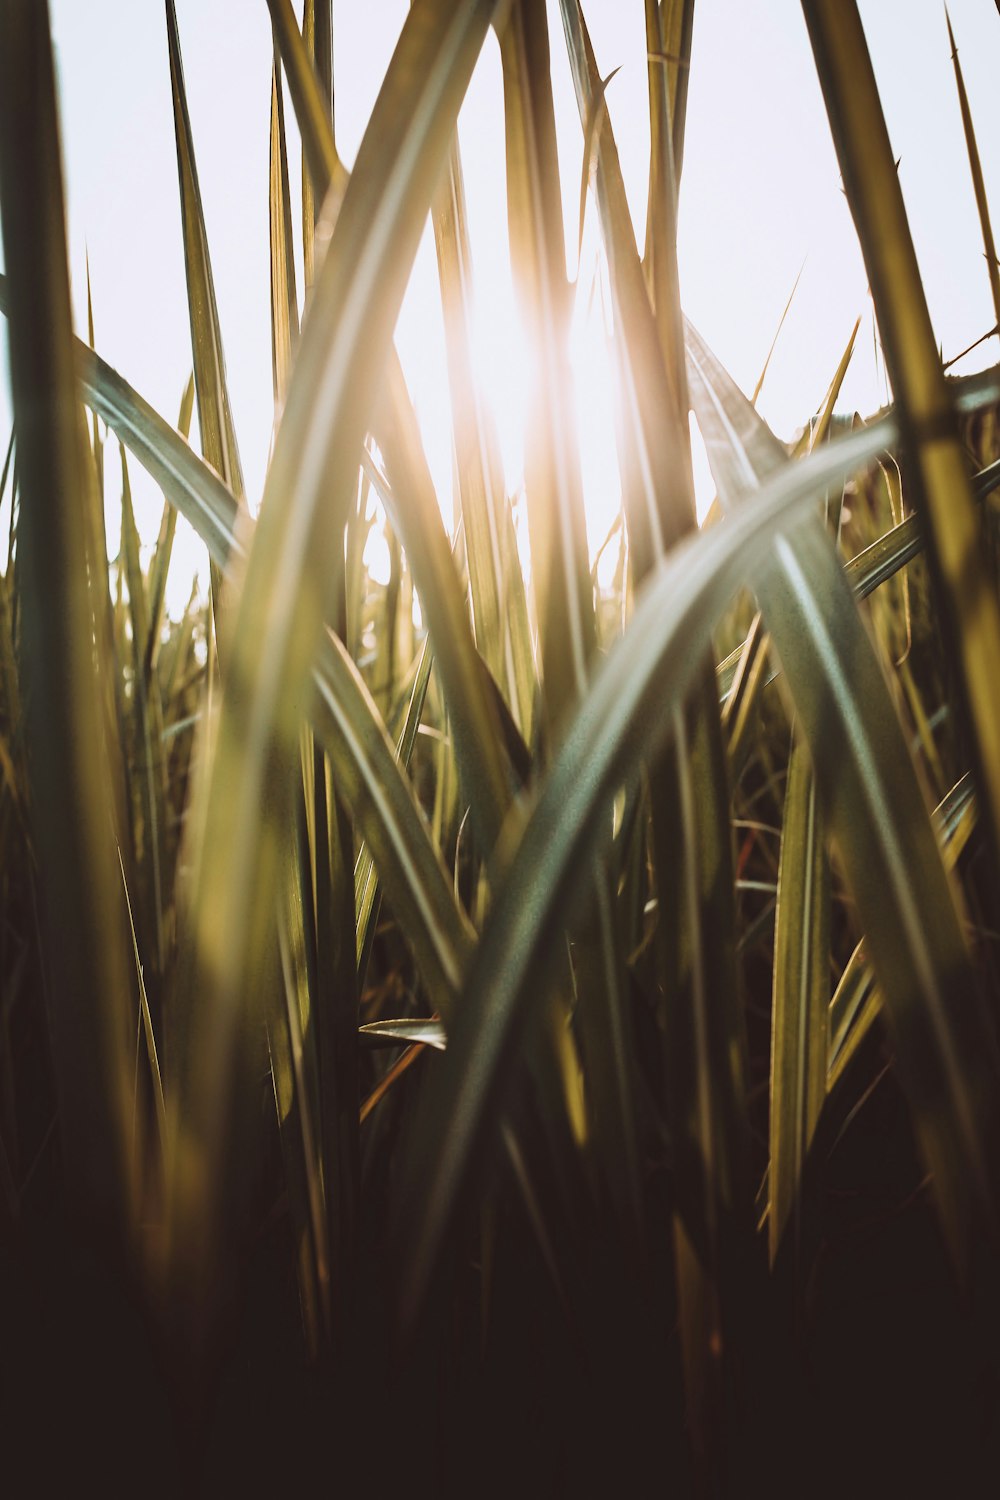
(218, 436)
(966, 604)
(89, 990)
(670, 53)
(677, 20)
(160, 566)
(801, 994)
(317, 35)
(590, 130)
(777, 333)
(428, 1033)
(625, 717)
(496, 584)
(284, 303)
(876, 813)
(816, 433)
(286, 593)
(976, 169)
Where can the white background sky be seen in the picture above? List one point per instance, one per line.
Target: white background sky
(761, 194)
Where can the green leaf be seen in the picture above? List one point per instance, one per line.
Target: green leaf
(496, 584)
(976, 169)
(218, 436)
(89, 989)
(553, 483)
(801, 992)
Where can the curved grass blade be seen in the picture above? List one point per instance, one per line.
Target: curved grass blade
(626, 716)
(945, 1052)
(966, 603)
(777, 334)
(90, 1011)
(976, 170)
(801, 993)
(430, 1033)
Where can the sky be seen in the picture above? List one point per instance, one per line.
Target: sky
(760, 199)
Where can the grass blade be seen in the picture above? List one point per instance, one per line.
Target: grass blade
(218, 436)
(976, 169)
(801, 994)
(91, 1013)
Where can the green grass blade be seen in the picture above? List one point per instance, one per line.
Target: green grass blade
(553, 484)
(976, 170)
(801, 992)
(147, 752)
(366, 893)
(218, 436)
(160, 566)
(496, 584)
(284, 303)
(90, 1012)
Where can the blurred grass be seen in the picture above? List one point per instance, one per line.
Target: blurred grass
(454, 1009)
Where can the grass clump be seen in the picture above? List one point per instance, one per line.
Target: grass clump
(554, 1041)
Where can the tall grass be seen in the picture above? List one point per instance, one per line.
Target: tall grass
(554, 1042)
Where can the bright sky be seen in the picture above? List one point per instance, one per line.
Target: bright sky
(761, 194)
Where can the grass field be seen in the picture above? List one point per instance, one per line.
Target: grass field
(523, 1022)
